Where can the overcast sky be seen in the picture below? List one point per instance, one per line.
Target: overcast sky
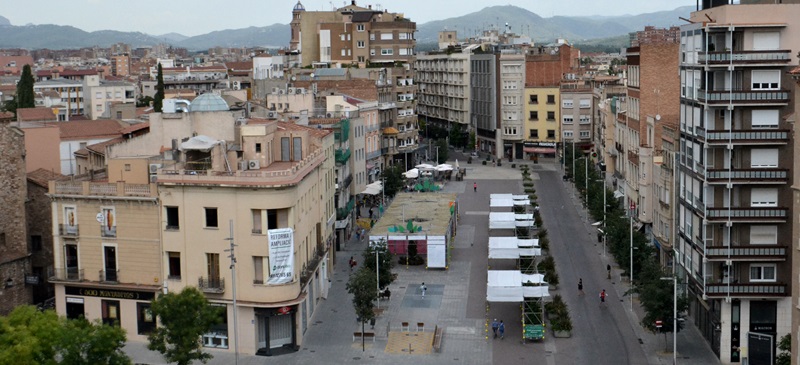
(196, 17)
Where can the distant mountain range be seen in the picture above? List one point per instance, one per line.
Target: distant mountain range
(520, 21)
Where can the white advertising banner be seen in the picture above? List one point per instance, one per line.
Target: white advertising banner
(281, 255)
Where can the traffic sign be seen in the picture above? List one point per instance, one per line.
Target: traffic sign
(659, 324)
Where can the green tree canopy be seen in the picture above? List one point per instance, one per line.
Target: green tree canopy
(158, 100)
(362, 286)
(184, 318)
(384, 257)
(25, 95)
(28, 336)
(443, 152)
(394, 180)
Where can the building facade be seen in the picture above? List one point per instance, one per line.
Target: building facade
(512, 92)
(734, 221)
(444, 97)
(485, 108)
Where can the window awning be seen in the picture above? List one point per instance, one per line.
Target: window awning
(543, 150)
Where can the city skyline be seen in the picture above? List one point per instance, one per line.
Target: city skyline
(203, 16)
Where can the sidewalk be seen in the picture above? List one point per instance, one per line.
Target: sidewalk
(692, 347)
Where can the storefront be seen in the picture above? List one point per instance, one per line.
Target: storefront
(534, 150)
(275, 330)
(129, 309)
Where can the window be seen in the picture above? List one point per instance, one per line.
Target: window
(110, 309)
(272, 218)
(145, 321)
(344, 52)
(551, 116)
(256, 221)
(763, 235)
(119, 115)
(765, 119)
(766, 79)
(762, 272)
(372, 37)
(341, 37)
(551, 133)
(174, 265)
(764, 157)
(567, 104)
(36, 243)
(568, 134)
(386, 36)
(534, 133)
(212, 269)
(584, 119)
(372, 52)
(359, 27)
(764, 197)
(534, 99)
(258, 147)
(551, 99)
(387, 52)
(127, 167)
(360, 44)
(217, 336)
(584, 134)
(172, 218)
(585, 103)
(258, 266)
(211, 218)
(567, 119)
(533, 115)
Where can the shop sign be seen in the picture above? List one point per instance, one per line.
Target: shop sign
(109, 293)
(284, 310)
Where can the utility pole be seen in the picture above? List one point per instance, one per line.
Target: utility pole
(233, 280)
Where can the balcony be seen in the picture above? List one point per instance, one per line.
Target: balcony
(213, 285)
(747, 136)
(109, 276)
(747, 253)
(68, 274)
(345, 184)
(344, 212)
(407, 148)
(747, 290)
(342, 156)
(747, 176)
(749, 214)
(743, 97)
(65, 230)
(373, 154)
(87, 188)
(745, 58)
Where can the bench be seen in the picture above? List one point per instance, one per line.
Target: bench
(438, 333)
(365, 335)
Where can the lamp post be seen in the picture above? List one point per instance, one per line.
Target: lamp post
(604, 215)
(630, 217)
(232, 256)
(674, 315)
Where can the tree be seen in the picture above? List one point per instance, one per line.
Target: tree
(362, 286)
(472, 141)
(394, 180)
(10, 106)
(25, 95)
(785, 346)
(29, 336)
(144, 101)
(457, 136)
(158, 101)
(384, 258)
(442, 144)
(184, 317)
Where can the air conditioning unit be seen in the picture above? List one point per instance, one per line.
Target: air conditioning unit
(243, 165)
(153, 179)
(272, 115)
(291, 91)
(329, 115)
(276, 90)
(253, 165)
(154, 168)
(237, 85)
(281, 92)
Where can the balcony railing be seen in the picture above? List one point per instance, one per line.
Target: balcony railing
(66, 230)
(211, 285)
(373, 154)
(68, 274)
(747, 214)
(747, 252)
(753, 176)
(747, 290)
(745, 57)
(754, 136)
(109, 276)
(743, 96)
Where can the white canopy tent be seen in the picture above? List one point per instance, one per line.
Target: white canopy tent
(444, 167)
(411, 174)
(373, 189)
(506, 286)
(508, 203)
(507, 220)
(425, 166)
(513, 248)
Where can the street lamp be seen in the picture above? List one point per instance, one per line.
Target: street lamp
(604, 216)
(674, 315)
(630, 217)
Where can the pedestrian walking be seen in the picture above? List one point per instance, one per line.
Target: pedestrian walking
(423, 289)
(502, 330)
(370, 213)
(580, 286)
(352, 263)
(495, 326)
(603, 296)
(358, 235)
(475, 186)
(608, 268)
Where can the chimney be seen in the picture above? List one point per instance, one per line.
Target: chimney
(353, 2)
(369, 6)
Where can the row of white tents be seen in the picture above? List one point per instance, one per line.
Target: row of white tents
(428, 169)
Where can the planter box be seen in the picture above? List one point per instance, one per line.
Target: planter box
(562, 334)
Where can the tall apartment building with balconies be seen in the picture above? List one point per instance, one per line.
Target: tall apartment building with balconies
(484, 105)
(512, 93)
(444, 93)
(734, 216)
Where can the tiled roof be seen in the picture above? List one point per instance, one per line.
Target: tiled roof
(41, 177)
(362, 16)
(35, 114)
(316, 132)
(239, 66)
(795, 71)
(358, 88)
(90, 129)
(135, 127)
(78, 72)
(100, 148)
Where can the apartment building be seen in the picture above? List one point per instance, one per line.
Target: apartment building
(70, 92)
(512, 93)
(352, 35)
(795, 253)
(577, 112)
(485, 107)
(121, 65)
(101, 94)
(15, 258)
(736, 149)
(444, 97)
(605, 89)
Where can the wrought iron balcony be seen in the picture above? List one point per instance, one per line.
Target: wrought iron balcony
(747, 252)
(214, 285)
(747, 290)
(68, 274)
(747, 214)
(66, 230)
(748, 136)
(739, 97)
(749, 176)
(109, 276)
(750, 58)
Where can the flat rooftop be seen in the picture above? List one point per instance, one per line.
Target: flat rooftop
(431, 211)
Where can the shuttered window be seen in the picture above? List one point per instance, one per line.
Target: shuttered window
(764, 157)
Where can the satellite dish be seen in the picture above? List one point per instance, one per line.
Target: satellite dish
(658, 116)
(294, 78)
(312, 75)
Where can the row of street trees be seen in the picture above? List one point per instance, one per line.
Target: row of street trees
(655, 294)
